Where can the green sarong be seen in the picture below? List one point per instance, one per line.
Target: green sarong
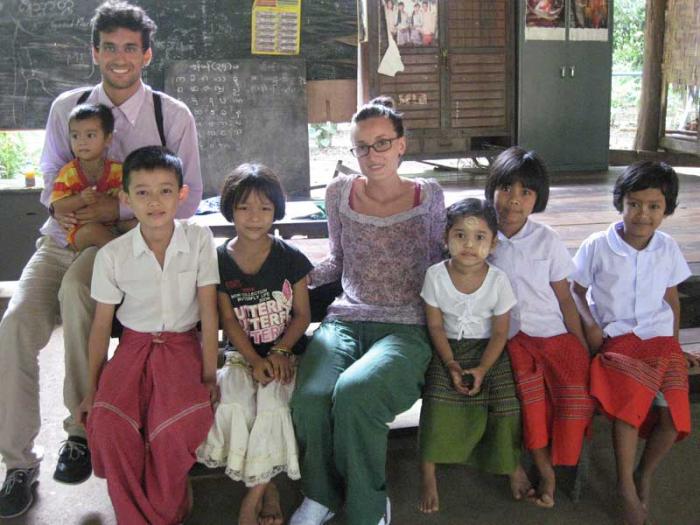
(484, 430)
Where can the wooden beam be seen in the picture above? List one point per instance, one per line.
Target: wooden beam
(624, 157)
(681, 144)
(331, 100)
(649, 116)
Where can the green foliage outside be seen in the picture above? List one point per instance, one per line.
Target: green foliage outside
(628, 61)
(13, 154)
(628, 57)
(628, 35)
(322, 134)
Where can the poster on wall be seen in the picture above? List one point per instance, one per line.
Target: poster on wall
(544, 20)
(412, 23)
(589, 20)
(276, 27)
(391, 61)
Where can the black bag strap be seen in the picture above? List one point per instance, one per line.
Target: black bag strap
(84, 96)
(157, 109)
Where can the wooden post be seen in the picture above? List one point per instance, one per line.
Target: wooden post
(649, 116)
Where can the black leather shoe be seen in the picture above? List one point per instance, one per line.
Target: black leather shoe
(17, 495)
(74, 465)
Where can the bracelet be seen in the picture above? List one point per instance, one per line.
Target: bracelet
(282, 350)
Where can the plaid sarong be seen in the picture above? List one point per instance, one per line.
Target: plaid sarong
(497, 390)
(484, 430)
(551, 374)
(628, 373)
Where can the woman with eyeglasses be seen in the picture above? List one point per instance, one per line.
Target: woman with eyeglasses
(366, 362)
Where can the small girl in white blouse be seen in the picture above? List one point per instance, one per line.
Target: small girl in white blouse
(470, 413)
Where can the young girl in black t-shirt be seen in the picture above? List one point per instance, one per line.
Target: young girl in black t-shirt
(264, 311)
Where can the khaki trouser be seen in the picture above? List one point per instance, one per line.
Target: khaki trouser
(55, 281)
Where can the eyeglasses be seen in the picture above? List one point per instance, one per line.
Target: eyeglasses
(380, 146)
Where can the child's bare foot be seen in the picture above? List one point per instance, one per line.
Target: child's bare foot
(271, 512)
(251, 506)
(643, 484)
(429, 497)
(633, 512)
(429, 493)
(545, 492)
(520, 484)
(544, 497)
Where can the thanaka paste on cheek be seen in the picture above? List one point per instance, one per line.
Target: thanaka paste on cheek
(472, 225)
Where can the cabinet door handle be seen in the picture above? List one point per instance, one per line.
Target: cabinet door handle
(562, 71)
(445, 56)
(572, 71)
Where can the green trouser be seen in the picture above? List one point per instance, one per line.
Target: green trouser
(354, 378)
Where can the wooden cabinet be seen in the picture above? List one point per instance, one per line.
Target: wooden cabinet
(564, 91)
(457, 90)
(22, 215)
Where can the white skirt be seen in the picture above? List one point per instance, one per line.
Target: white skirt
(252, 436)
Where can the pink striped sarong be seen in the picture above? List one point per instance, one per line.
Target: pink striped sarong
(627, 374)
(551, 378)
(150, 414)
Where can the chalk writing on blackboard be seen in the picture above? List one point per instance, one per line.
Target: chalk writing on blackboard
(41, 8)
(34, 67)
(247, 110)
(212, 91)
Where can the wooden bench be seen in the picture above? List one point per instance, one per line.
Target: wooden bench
(7, 289)
(690, 342)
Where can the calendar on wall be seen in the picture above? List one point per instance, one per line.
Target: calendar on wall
(588, 20)
(547, 19)
(276, 27)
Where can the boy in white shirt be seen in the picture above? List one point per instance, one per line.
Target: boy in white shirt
(149, 407)
(625, 290)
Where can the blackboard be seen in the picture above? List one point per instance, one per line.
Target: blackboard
(46, 45)
(45, 51)
(247, 110)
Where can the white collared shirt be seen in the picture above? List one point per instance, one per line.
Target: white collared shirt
(532, 259)
(467, 315)
(627, 286)
(155, 299)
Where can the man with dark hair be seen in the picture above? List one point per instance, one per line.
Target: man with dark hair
(56, 280)
(111, 16)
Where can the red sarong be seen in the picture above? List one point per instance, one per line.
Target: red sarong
(551, 377)
(150, 414)
(629, 371)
